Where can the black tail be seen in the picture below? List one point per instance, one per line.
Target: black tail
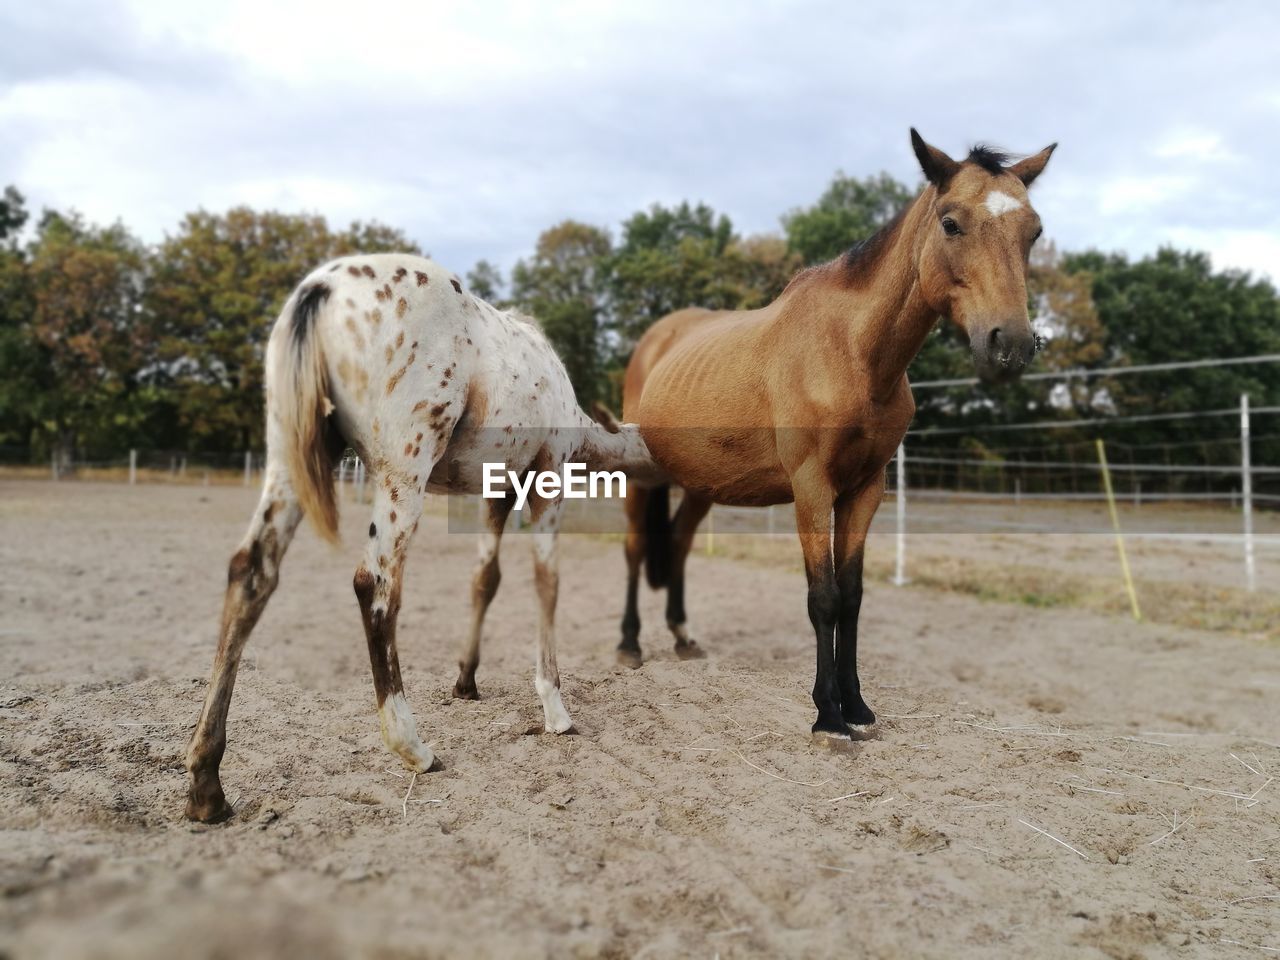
(657, 537)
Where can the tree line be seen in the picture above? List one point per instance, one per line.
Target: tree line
(108, 343)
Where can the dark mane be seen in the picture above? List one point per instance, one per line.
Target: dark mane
(988, 158)
(860, 259)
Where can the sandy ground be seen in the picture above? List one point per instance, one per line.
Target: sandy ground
(690, 816)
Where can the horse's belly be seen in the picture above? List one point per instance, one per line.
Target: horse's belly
(736, 466)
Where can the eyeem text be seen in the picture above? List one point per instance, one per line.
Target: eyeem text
(573, 483)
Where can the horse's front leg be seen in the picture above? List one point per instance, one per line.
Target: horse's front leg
(546, 574)
(854, 512)
(813, 523)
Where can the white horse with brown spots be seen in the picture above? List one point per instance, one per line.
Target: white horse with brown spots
(389, 355)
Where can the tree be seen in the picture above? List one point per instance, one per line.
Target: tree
(1173, 306)
(19, 357)
(669, 259)
(485, 281)
(86, 285)
(219, 283)
(564, 286)
(849, 210)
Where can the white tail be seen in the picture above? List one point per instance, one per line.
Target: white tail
(298, 389)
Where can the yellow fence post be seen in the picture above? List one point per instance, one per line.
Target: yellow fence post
(1115, 524)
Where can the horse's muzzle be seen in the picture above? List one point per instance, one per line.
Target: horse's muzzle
(999, 355)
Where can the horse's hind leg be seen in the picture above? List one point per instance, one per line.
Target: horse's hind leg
(691, 513)
(484, 585)
(546, 575)
(396, 509)
(635, 505)
(251, 578)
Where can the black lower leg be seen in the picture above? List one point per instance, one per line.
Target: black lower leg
(631, 616)
(853, 707)
(824, 604)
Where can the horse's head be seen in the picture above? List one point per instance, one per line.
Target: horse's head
(973, 251)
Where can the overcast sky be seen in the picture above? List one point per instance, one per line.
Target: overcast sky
(474, 126)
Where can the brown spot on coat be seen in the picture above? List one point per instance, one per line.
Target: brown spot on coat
(422, 278)
(421, 405)
(354, 271)
(355, 332)
(395, 377)
(399, 274)
(380, 295)
(393, 516)
(456, 285)
(368, 271)
(400, 340)
(402, 307)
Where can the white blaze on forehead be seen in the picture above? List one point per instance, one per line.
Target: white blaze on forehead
(998, 202)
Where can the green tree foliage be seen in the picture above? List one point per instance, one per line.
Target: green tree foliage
(485, 281)
(564, 286)
(1173, 306)
(218, 285)
(105, 344)
(85, 285)
(668, 259)
(20, 391)
(849, 210)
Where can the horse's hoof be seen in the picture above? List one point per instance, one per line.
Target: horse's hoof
(833, 740)
(631, 659)
(206, 804)
(859, 716)
(461, 692)
(689, 650)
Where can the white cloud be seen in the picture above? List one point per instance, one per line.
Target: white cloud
(475, 126)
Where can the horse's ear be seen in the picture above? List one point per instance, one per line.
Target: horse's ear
(937, 166)
(1027, 170)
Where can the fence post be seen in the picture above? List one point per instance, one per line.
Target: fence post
(1115, 525)
(1017, 492)
(133, 467)
(1246, 494)
(900, 565)
(711, 532)
(53, 465)
(182, 468)
(248, 467)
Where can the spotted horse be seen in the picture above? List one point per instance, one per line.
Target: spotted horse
(389, 355)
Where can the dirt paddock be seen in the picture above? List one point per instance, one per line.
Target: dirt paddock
(1045, 782)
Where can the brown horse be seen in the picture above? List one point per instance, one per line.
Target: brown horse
(807, 399)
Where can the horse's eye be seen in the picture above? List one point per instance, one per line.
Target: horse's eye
(950, 227)
(1039, 230)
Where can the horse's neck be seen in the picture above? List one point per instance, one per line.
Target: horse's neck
(883, 317)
